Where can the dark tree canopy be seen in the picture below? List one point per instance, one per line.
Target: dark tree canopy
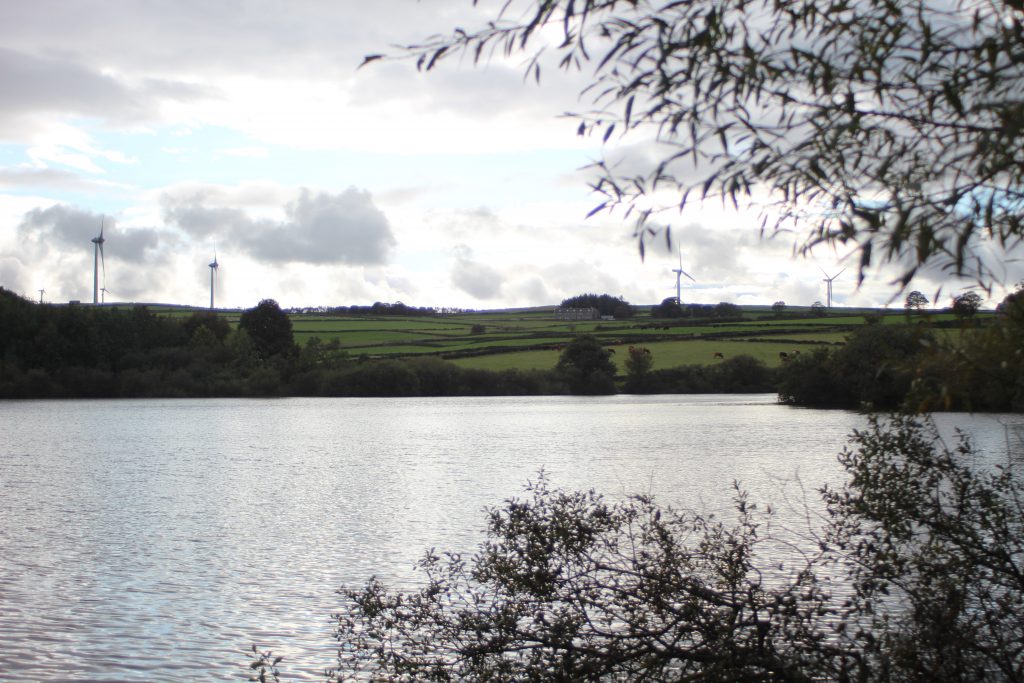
(668, 308)
(966, 305)
(891, 128)
(915, 301)
(1012, 306)
(587, 367)
(269, 328)
(575, 587)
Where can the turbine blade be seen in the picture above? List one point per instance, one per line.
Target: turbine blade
(103, 262)
(687, 274)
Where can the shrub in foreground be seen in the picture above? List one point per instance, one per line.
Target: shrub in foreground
(571, 586)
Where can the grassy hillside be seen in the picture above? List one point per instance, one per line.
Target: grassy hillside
(528, 339)
(531, 339)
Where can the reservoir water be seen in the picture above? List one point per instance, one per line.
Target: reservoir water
(159, 539)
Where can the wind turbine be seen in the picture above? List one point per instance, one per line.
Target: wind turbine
(213, 276)
(41, 292)
(97, 258)
(103, 295)
(679, 276)
(829, 280)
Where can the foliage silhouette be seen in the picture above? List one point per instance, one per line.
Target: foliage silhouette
(892, 128)
(269, 328)
(572, 586)
(586, 367)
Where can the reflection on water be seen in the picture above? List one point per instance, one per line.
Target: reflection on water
(159, 539)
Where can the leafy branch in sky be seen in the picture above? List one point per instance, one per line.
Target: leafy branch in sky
(892, 128)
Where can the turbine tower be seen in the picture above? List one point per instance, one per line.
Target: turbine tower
(97, 259)
(828, 280)
(213, 277)
(41, 292)
(679, 276)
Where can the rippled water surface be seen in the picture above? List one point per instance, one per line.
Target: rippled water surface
(146, 540)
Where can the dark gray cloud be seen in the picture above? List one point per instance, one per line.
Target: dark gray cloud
(319, 228)
(474, 278)
(59, 227)
(268, 36)
(61, 86)
(39, 177)
(115, 60)
(198, 220)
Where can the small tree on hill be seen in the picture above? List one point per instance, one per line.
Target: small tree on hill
(668, 308)
(966, 305)
(914, 302)
(778, 308)
(725, 309)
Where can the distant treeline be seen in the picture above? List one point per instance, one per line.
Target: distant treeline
(90, 352)
(670, 308)
(85, 351)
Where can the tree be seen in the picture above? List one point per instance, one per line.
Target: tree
(915, 301)
(966, 305)
(936, 541)
(818, 309)
(217, 325)
(725, 309)
(269, 328)
(779, 308)
(1011, 308)
(587, 367)
(668, 308)
(571, 586)
(638, 365)
(875, 367)
(893, 128)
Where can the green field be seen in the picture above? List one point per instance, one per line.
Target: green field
(531, 339)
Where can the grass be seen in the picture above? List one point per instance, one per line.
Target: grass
(530, 339)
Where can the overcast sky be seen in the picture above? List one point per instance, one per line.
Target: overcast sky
(244, 128)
